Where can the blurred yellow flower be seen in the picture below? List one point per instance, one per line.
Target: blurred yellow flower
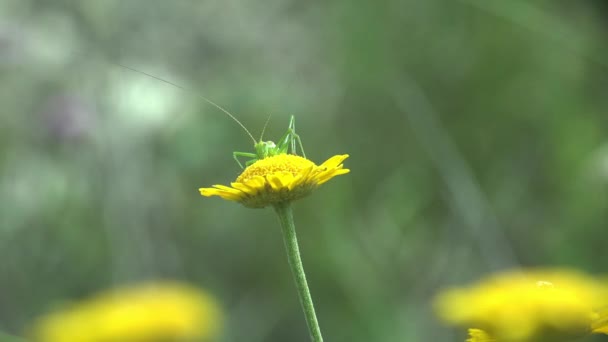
(278, 179)
(153, 312)
(550, 305)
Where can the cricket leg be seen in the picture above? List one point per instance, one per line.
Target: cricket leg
(243, 154)
(293, 141)
(291, 130)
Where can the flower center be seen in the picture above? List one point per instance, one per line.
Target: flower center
(279, 163)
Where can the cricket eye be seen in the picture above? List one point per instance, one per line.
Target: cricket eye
(270, 144)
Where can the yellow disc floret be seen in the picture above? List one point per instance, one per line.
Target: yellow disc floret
(280, 163)
(278, 179)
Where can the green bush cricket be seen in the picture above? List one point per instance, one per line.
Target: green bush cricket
(264, 149)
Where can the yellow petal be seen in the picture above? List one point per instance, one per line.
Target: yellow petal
(244, 188)
(334, 161)
(208, 192)
(233, 195)
(229, 196)
(275, 182)
(279, 180)
(256, 182)
(329, 174)
(286, 179)
(301, 177)
(227, 189)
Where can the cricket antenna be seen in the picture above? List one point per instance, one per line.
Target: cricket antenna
(199, 95)
(265, 124)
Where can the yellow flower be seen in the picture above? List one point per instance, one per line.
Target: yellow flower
(552, 305)
(153, 312)
(477, 335)
(278, 179)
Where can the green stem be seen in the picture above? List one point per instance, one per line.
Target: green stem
(295, 262)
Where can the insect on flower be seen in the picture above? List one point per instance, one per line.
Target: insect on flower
(274, 173)
(264, 149)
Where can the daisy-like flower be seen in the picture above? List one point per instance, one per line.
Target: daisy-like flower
(278, 179)
(534, 305)
(168, 312)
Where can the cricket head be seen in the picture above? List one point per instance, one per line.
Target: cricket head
(265, 149)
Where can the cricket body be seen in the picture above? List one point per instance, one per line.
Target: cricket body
(265, 149)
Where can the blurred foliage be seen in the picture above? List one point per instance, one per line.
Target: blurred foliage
(477, 131)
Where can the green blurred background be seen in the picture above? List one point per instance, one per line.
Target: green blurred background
(477, 130)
